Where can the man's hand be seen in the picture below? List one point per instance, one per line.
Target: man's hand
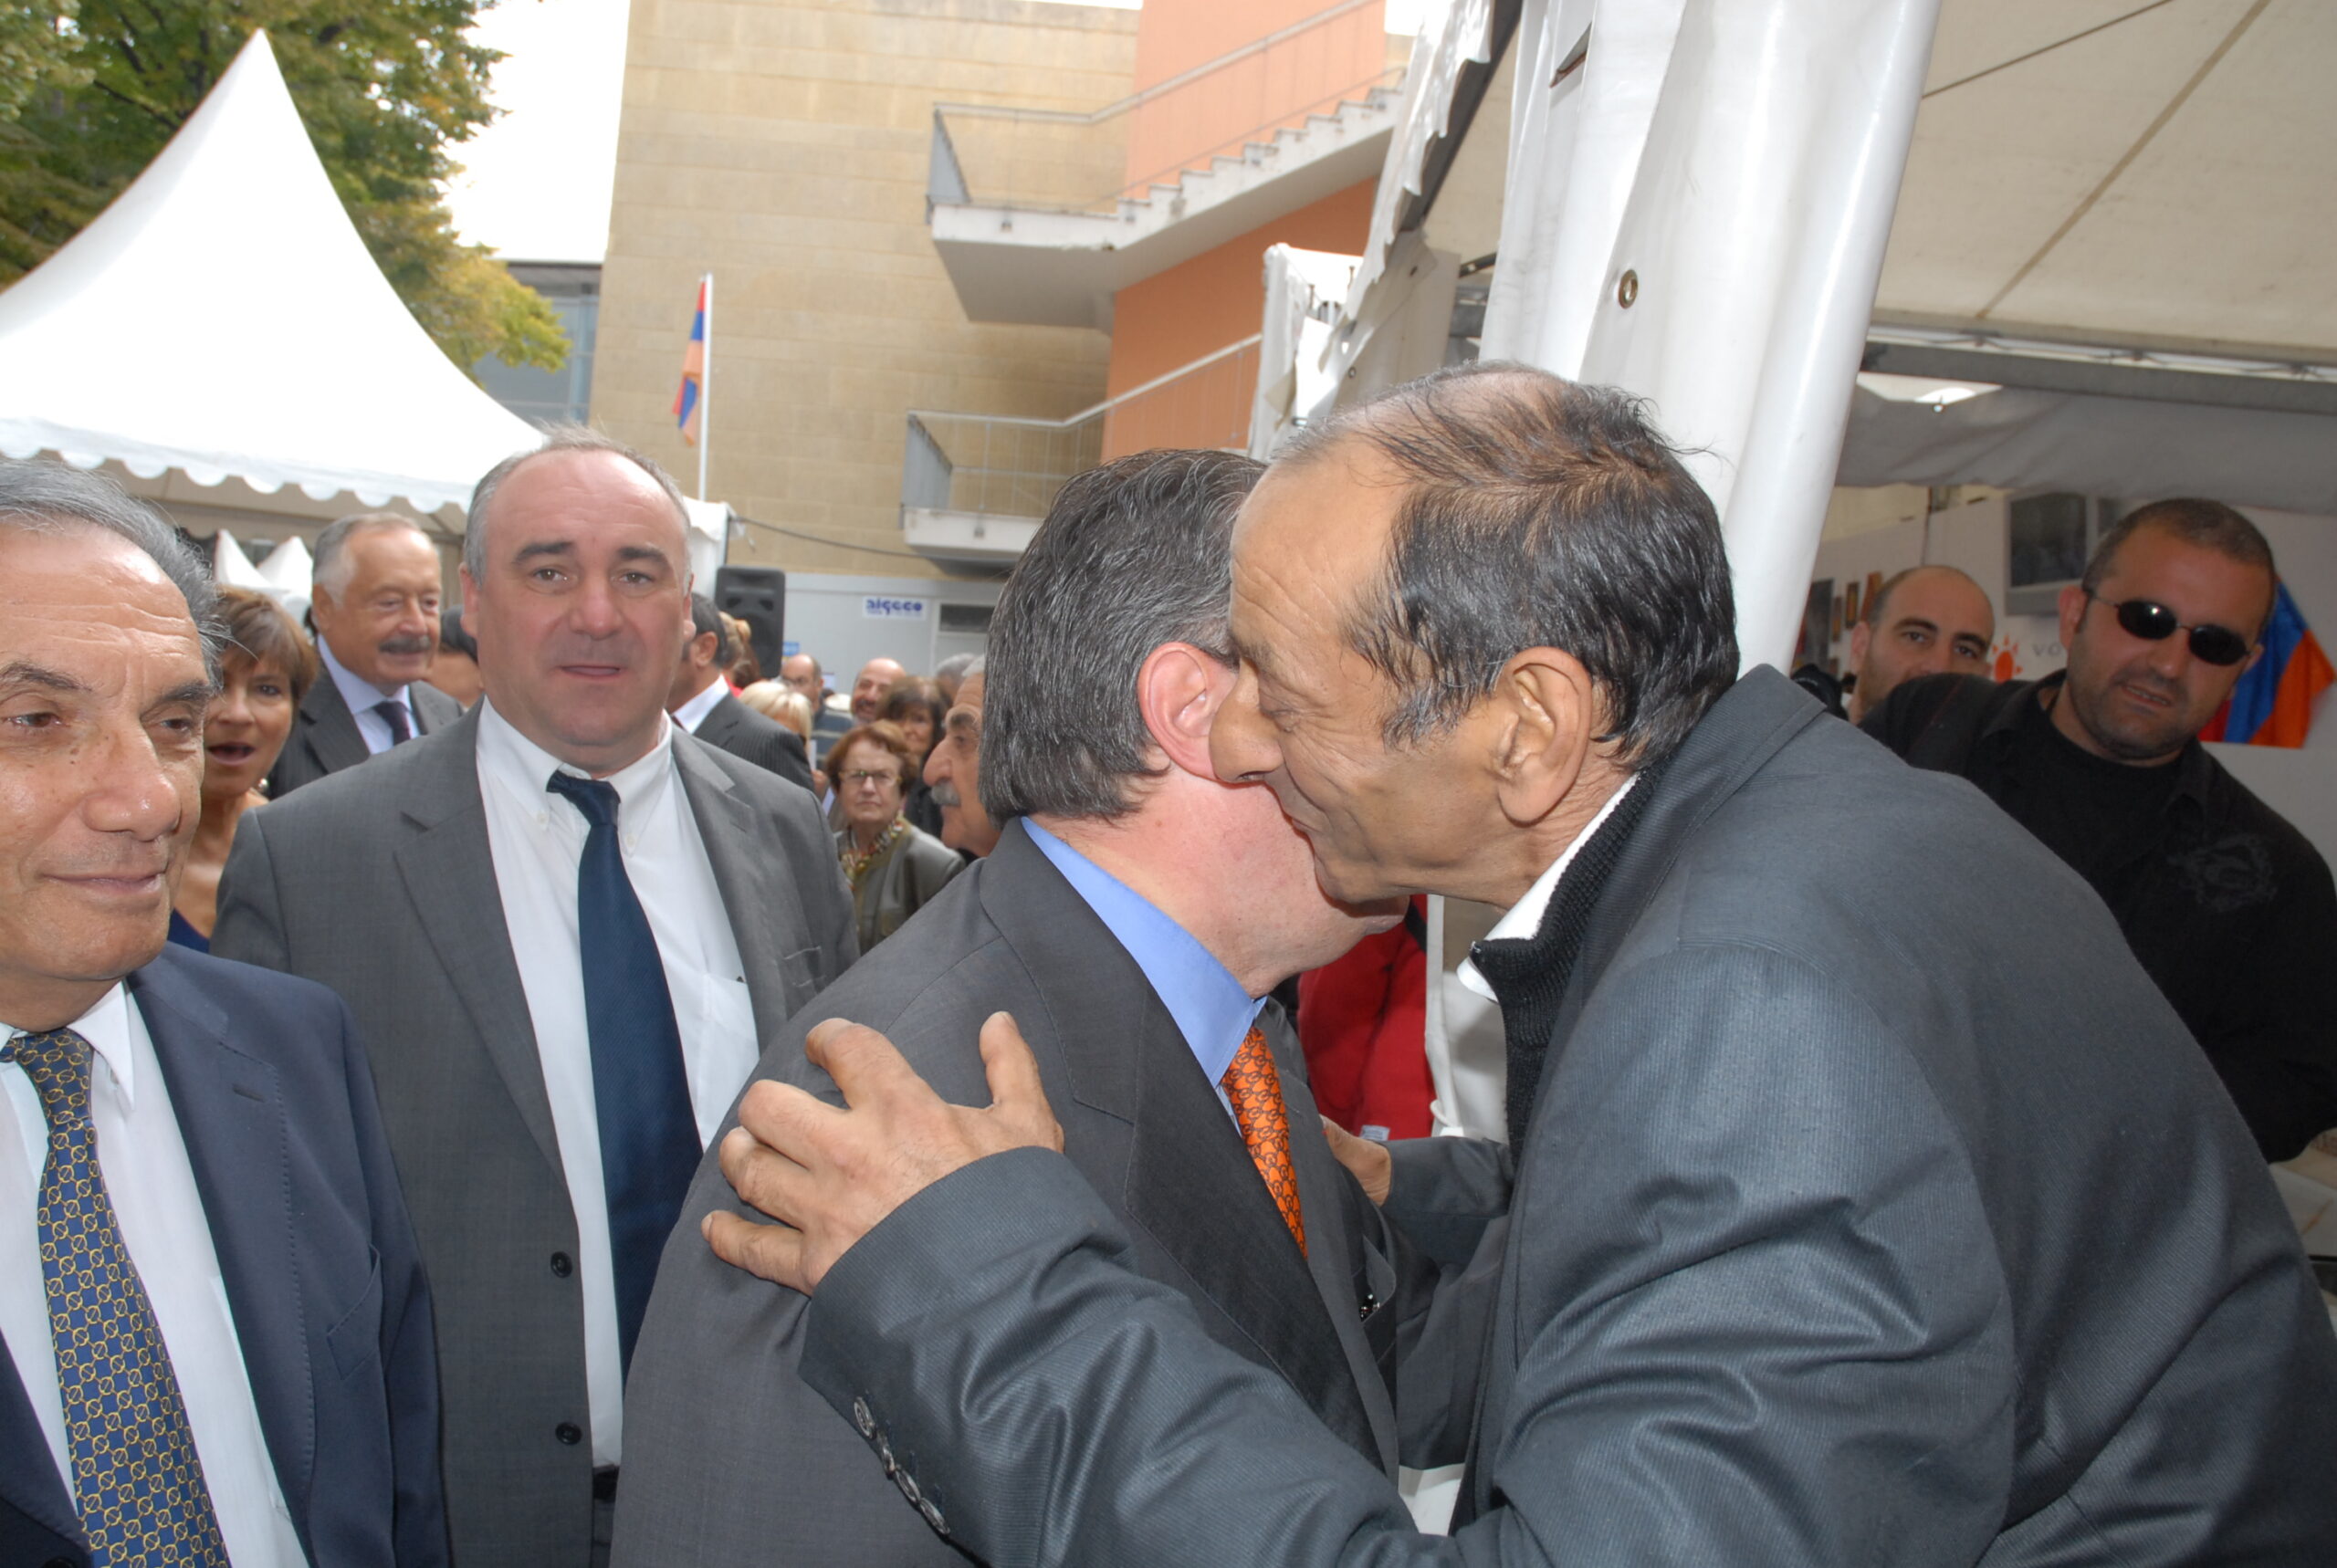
(1367, 1161)
(831, 1175)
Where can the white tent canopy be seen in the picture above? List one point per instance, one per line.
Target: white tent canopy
(222, 318)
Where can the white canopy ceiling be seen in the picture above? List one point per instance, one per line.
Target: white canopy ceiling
(222, 318)
(2125, 172)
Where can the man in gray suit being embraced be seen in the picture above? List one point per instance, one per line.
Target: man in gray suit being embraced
(1133, 915)
(566, 930)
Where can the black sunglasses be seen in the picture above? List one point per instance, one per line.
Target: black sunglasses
(2155, 623)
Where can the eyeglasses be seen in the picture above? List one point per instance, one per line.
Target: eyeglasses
(2155, 623)
(859, 775)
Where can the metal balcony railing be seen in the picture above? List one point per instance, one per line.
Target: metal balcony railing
(1000, 465)
(1051, 160)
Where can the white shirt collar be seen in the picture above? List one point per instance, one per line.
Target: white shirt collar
(1525, 918)
(525, 769)
(359, 692)
(105, 1026)
(692, 714)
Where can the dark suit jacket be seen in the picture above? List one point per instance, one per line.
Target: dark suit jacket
(1874, 1208)
(325, 738)
(744, 733)
(380, 883)
(730, 1458)
(324, 1280)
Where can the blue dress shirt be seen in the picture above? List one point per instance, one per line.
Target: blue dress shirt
(1210, 1009)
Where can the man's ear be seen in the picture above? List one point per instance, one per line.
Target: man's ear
(1861, 639)
(1179, 689)
(2071, 602)
(702, 648)
(1546, 716)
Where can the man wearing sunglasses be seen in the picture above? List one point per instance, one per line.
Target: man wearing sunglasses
(2227, 907)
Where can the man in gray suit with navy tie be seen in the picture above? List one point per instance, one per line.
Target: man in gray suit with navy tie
(1137, 911)
(374, 606)
(568, 929)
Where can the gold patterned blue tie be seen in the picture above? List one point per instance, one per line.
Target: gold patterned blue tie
(136, 1475)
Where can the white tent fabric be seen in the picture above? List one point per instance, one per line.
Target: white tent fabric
(222, 318)
(231, 568)
(2022, 439)
(291, 574)
(1464, 34)
(1304, 290)
(1698, 199)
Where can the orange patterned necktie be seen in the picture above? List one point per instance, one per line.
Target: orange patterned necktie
(1255, 1089)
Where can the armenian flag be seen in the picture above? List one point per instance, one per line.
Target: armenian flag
(2272, 704)
(685, 401)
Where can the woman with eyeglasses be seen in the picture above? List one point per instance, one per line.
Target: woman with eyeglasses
(894, 867)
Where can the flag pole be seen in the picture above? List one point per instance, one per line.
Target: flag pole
(706, 387)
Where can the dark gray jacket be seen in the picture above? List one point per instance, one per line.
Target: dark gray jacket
(325, 738)
(730, 1459)
(1875, 1207)
(748, 735)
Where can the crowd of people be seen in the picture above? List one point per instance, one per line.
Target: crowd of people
(518, 1086)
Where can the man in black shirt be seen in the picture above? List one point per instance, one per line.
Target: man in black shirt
(2229, 907)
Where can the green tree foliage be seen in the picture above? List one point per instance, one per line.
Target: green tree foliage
(91, 89)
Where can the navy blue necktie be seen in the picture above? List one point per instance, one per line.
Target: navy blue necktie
(392, 714)
(641, 1096)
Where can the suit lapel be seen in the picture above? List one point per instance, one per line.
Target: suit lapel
(752, 874)
(719, 721)
(1191, 1184)
(230, 1113)
(329, 728)
(448, 868)
(28, 1477)
(1330, 1251)
(434, 710)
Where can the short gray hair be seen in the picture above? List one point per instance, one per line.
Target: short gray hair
(330, 568)
(558, 438)
(1536, 512)
(50, 499)
(1132, 555)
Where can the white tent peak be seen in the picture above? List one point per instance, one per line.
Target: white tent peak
(222, 318)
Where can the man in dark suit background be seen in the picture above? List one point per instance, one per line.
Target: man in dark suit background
(567, 930)
(1864, 1201)
(1140, 910)
(703, 703)
(217, 1338)
(374, 609)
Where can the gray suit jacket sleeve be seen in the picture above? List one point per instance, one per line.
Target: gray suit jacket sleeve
(1814, 1314)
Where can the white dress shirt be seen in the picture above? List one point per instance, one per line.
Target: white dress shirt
(143, 1160)
(692, 714)
(1525, 918)
(362, 696)
(537, 838)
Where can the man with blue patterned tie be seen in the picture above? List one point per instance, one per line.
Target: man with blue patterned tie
(568, 927)
(218, 1341)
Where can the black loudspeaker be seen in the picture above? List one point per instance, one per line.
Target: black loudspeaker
(757, 595)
